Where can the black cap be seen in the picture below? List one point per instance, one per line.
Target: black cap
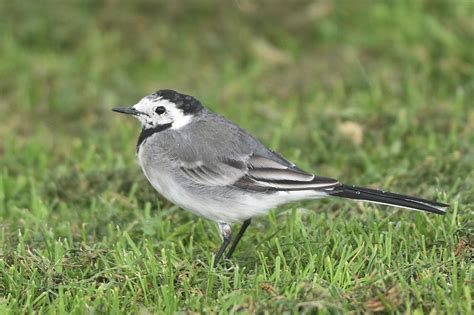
(187, 103)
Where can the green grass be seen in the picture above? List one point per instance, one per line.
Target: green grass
(374, 93)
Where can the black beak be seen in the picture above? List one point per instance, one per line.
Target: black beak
(126, 110)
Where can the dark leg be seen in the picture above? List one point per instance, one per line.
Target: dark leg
(244, 227)
(226, 234)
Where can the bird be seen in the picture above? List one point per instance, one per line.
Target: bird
(204, 163)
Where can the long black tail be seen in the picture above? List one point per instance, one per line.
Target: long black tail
(388, 198)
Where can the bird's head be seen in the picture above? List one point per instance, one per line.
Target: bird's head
(164, 107)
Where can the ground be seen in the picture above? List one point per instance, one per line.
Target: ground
(373, 93)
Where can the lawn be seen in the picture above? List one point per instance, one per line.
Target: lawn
(377, 93)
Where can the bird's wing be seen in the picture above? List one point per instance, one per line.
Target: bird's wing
(257, 173)
(264, 174)
(220, 173)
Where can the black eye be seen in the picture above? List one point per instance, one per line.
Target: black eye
(160, 110)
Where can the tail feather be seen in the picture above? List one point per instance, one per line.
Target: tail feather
(388, 198)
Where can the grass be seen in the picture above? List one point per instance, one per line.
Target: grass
(377, 94)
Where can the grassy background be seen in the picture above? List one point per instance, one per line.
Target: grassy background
(375, 93)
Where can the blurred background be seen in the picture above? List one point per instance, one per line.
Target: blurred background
(337, 85)
(63, 66)
(377, 93)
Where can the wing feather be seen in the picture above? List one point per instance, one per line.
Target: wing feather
(257, 173)
(279, 174)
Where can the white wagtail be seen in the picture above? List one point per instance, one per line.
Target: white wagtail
(206, 164)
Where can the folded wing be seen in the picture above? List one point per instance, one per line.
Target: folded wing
(257, 173)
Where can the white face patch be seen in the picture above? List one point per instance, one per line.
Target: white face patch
(159, 111)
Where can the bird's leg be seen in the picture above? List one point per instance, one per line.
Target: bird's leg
(226, 233)
(242, 230)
